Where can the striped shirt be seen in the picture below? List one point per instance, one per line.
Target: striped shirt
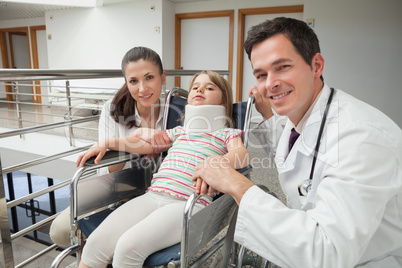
(187, 151)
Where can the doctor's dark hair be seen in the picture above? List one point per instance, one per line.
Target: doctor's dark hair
(298, 32)
(123, 104)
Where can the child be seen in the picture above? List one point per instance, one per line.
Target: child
(153, 221)
(136, 104)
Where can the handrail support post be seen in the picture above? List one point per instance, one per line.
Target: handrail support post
(69, 107)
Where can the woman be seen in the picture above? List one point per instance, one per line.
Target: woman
(135, 105)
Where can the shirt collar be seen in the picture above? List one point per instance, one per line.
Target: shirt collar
(299, 128)
(138, 118)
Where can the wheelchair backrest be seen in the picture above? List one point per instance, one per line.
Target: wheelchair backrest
(175, 112)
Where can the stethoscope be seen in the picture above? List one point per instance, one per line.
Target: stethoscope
(305, 185)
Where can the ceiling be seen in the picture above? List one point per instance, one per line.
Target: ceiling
(15, 10)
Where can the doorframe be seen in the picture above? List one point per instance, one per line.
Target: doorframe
(35, 59)
(4, 52)
(203, 15)
(30, 33)
(240, 37)
(10, 41)
(6, 63)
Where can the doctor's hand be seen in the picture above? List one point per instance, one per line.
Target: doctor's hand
(261, 102)
(219, 175)
(201, 187)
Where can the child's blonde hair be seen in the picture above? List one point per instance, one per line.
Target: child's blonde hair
(226, 89)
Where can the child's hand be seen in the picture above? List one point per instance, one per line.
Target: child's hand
(210, 163)
(158, 139)
(202, 188)
(98, 150)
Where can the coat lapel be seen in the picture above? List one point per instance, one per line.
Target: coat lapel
(306, 143)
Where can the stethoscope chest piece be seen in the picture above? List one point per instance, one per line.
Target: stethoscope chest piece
(304, 187)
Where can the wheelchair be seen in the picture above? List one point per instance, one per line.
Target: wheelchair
(204, 233)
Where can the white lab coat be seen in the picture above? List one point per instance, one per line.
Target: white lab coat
(352, 217)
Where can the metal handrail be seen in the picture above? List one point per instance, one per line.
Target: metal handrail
(60, 74)
(47, 126)
(34, 227)
(47, 190)
(50, 86)
(43, 160)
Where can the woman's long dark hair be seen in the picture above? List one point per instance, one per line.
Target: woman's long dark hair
(122, 108)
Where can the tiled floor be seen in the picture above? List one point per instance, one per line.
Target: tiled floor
(24, 248)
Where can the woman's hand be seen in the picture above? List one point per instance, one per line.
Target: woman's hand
(98, 150)
(158, 139)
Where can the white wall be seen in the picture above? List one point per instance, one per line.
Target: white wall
(42, 49)
(360, 39)
(361, 43)
(232, 5)
(168, 38)
(99, 37)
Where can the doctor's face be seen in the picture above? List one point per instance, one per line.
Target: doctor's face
(289, 83)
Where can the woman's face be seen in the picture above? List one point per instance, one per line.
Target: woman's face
(144, 82)
(205, 92)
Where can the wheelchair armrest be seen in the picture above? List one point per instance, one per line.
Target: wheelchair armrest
(111, 156)
(245, 171)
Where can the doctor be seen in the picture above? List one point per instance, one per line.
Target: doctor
(346, 211)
